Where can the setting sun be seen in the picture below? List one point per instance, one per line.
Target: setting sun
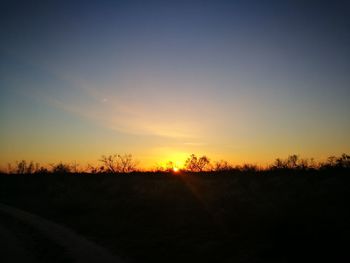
(179, 131)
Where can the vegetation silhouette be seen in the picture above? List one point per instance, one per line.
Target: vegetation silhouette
(195, 164)
(294, 210)
(118, 163)
(126, 164)
(61, 168)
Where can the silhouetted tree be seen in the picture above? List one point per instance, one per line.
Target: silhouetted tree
(22, 167)
(95, 169)
(158, 168)
(195, 164)
(330, 163)
(248, 168)
(126, 164)
(110, 163)
(343, 161)
(279, 164)
(222, 166)
(41, 170)
(304, 164)
(119, 163)
(292, 161)
(61, 168)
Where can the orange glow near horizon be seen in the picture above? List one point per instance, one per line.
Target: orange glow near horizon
(162, 81)
(160, 158)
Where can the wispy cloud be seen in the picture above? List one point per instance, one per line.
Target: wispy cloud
(120, 113)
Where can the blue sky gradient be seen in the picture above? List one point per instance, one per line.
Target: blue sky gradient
(246, 81)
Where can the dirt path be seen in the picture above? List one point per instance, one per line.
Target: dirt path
(25, 237)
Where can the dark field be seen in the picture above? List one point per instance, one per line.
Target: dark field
(284, 216)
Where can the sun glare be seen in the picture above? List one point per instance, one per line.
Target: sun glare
(175, 169)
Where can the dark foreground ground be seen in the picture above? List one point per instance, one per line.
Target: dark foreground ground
(288, 216)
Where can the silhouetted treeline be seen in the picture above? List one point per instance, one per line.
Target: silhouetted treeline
(280, 214)
(126, 164)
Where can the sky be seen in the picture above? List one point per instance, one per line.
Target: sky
(244, 81)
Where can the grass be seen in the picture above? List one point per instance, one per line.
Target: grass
(282, 216)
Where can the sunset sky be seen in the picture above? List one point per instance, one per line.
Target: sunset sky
(245, 81)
